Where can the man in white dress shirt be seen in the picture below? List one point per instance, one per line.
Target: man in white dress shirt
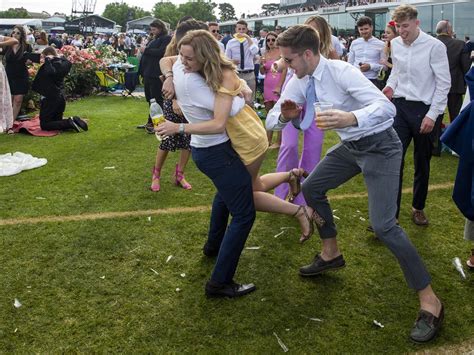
(214, 29)
(362, 117)
(419, 85)
(242, 51)
(367, 51)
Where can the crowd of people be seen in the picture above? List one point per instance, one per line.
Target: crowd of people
(383, 94)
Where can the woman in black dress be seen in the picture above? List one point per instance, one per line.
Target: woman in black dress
(16, 69)
(181, 142)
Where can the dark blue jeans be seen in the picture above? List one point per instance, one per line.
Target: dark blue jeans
(235, 197)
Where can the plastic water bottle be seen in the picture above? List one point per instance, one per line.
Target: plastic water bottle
(156, 114)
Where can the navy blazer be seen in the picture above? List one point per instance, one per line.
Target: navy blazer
(459, 136)
(150, 60)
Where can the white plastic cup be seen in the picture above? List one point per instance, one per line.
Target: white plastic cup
(320, 107)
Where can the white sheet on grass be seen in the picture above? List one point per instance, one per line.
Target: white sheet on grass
(12, 164)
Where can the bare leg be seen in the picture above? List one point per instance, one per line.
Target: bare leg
(429, 301)
(161, 156)
(16, 103)
(266, 202)
(178, 178)
(183, 159)
(330, 250)
(269, 181)
(159, 161)
(268, 106)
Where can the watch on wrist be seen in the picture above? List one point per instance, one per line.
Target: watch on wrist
(181, 128)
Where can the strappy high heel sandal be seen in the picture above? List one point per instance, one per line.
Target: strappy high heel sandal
(155, 180)
(305, 237)
(179, 179)
(295, 184)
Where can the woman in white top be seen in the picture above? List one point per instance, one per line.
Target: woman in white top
(6, 109)
(200, 54)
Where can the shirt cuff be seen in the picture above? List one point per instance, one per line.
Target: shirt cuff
(361, 118)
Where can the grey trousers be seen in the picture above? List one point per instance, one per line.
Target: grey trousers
(378, 157)
(250, 80)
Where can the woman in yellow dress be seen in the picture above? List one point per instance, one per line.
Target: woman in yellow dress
(200, 53)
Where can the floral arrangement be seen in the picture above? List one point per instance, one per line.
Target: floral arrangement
(82, 79)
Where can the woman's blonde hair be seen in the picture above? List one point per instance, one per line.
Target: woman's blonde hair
(171, 48)
(208, 53)
(324, 31)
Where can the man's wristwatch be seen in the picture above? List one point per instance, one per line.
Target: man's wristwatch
(181, 128)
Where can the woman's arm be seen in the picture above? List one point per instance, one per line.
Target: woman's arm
(166, 66)
(222, 109)
(279, 86)
(333, 54)
(7, 41)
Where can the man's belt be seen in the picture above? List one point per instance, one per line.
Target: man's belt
(245, 71)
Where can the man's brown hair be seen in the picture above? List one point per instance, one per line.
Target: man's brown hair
(405, 12)
(49, 51)
(299, 38)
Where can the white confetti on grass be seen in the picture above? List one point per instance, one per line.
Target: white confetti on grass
(378, 324)
(362, 219)
(86, 196)
(182, 274)
(252, 248)
(109, 167)
(40, 198)
(149, 218)
(169, 258)
(17, 303)
(178, 289)
(311, 318)
(280, 342)
(277, 235)
(336, 217)
(103, 277)
(156, 272)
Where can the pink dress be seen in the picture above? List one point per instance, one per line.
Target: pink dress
(6, 110)
(270, 82)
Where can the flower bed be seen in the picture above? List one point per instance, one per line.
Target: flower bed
(82, 80)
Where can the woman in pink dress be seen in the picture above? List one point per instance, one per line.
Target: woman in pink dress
(273, 80)
(6, 109)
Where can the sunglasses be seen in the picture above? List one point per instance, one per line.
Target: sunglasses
(271, 40)
(16, 33)
(215, 31)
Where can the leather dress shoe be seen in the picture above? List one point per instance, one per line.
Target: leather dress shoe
(231, 290)
(419, 218)
(426, 326)
(81, 123)
(210, 251)
(318, 266)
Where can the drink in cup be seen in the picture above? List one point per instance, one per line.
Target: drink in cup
(320, 107)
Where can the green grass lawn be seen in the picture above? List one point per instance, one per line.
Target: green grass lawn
(104, 285)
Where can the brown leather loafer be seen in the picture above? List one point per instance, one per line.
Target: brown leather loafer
(426, 326)
(419, 218)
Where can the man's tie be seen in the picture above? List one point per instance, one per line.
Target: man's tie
(311, 98)
(242, 58)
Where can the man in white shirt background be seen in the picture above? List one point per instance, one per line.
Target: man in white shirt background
(419, 85)
(363, 119)
(214, 29)
(366, 52)
(242, 50)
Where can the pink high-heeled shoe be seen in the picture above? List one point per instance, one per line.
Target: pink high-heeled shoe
(155, 180)
(179, 179)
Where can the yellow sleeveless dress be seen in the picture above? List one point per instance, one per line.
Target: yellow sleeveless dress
(246, 131)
